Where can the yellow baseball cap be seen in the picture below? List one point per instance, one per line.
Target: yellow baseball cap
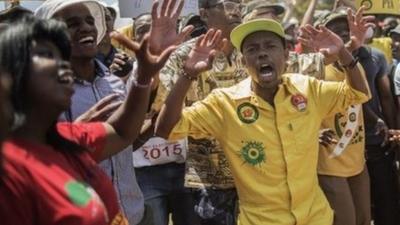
(245, 29)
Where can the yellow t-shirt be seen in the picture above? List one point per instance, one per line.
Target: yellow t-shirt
(272, 151)
(128, 32)
(385, 45)
(351, 161)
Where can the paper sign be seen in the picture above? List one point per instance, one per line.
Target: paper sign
(158, 151)
(380, 6)
(134, 8)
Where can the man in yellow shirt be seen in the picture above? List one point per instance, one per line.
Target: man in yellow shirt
(341, 168)
(268, 124)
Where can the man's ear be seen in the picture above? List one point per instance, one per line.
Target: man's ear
(286, 54)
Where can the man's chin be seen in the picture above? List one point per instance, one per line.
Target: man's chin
(84, 55)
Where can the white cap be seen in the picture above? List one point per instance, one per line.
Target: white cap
(51, 7)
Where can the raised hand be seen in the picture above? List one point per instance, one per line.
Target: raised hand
(101, 110)
(149, 64)
(201, 56)
(358, 26)
(322, 40)
(163, 31)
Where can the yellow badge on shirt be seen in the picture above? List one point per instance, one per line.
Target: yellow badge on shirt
(247, 113)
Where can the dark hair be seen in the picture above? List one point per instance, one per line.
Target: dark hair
(14, 14)
(140, 16)
(15, 58)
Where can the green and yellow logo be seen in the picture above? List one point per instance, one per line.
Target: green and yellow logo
(247, 113)
(253, 153)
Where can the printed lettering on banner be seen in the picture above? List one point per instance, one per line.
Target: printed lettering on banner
(134, 8)
(158, 151)
(380, 6)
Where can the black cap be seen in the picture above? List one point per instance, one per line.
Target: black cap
(13, 14)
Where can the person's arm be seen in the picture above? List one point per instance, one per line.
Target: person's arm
(386, 98)
(329, 44)
(381, 128)
(124, 125)
(309, 15)
(199, 59)
(358, 27)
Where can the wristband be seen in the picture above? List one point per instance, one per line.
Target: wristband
(352, 64)
(143, 86)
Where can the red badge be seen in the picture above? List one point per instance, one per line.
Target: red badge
(300, 102)
(349, 133)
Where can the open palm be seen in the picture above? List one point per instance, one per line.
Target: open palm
(201, 56)
(149, 64)
(358, 26)
(321, 40)
(163, 32)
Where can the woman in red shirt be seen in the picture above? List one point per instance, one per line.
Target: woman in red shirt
(51, 175)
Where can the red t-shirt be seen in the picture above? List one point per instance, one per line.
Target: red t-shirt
(41, 185)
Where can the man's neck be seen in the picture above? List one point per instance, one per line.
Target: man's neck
(105, 49)
(84, 68)
(267, 94)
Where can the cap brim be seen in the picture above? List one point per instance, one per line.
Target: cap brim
(336, 17)
(394, 32)
(243, 30)
(278, 8)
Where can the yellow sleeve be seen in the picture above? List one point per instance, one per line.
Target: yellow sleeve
(332, 97)
(203, 119)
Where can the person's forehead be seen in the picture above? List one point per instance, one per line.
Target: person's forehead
(41, 44)
(260, 36)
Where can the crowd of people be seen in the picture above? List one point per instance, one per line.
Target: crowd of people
(233, 116)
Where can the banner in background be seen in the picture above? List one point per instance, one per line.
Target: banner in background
(380, 6)
(133, 8)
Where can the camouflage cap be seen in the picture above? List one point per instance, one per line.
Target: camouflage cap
(325, 19)
(208, 3)
(257, 4)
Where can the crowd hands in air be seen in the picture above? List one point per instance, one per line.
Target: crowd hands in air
(60, 145)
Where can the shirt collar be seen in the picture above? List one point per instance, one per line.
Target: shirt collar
(288, 87)
(243, 89)
(100, 72)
